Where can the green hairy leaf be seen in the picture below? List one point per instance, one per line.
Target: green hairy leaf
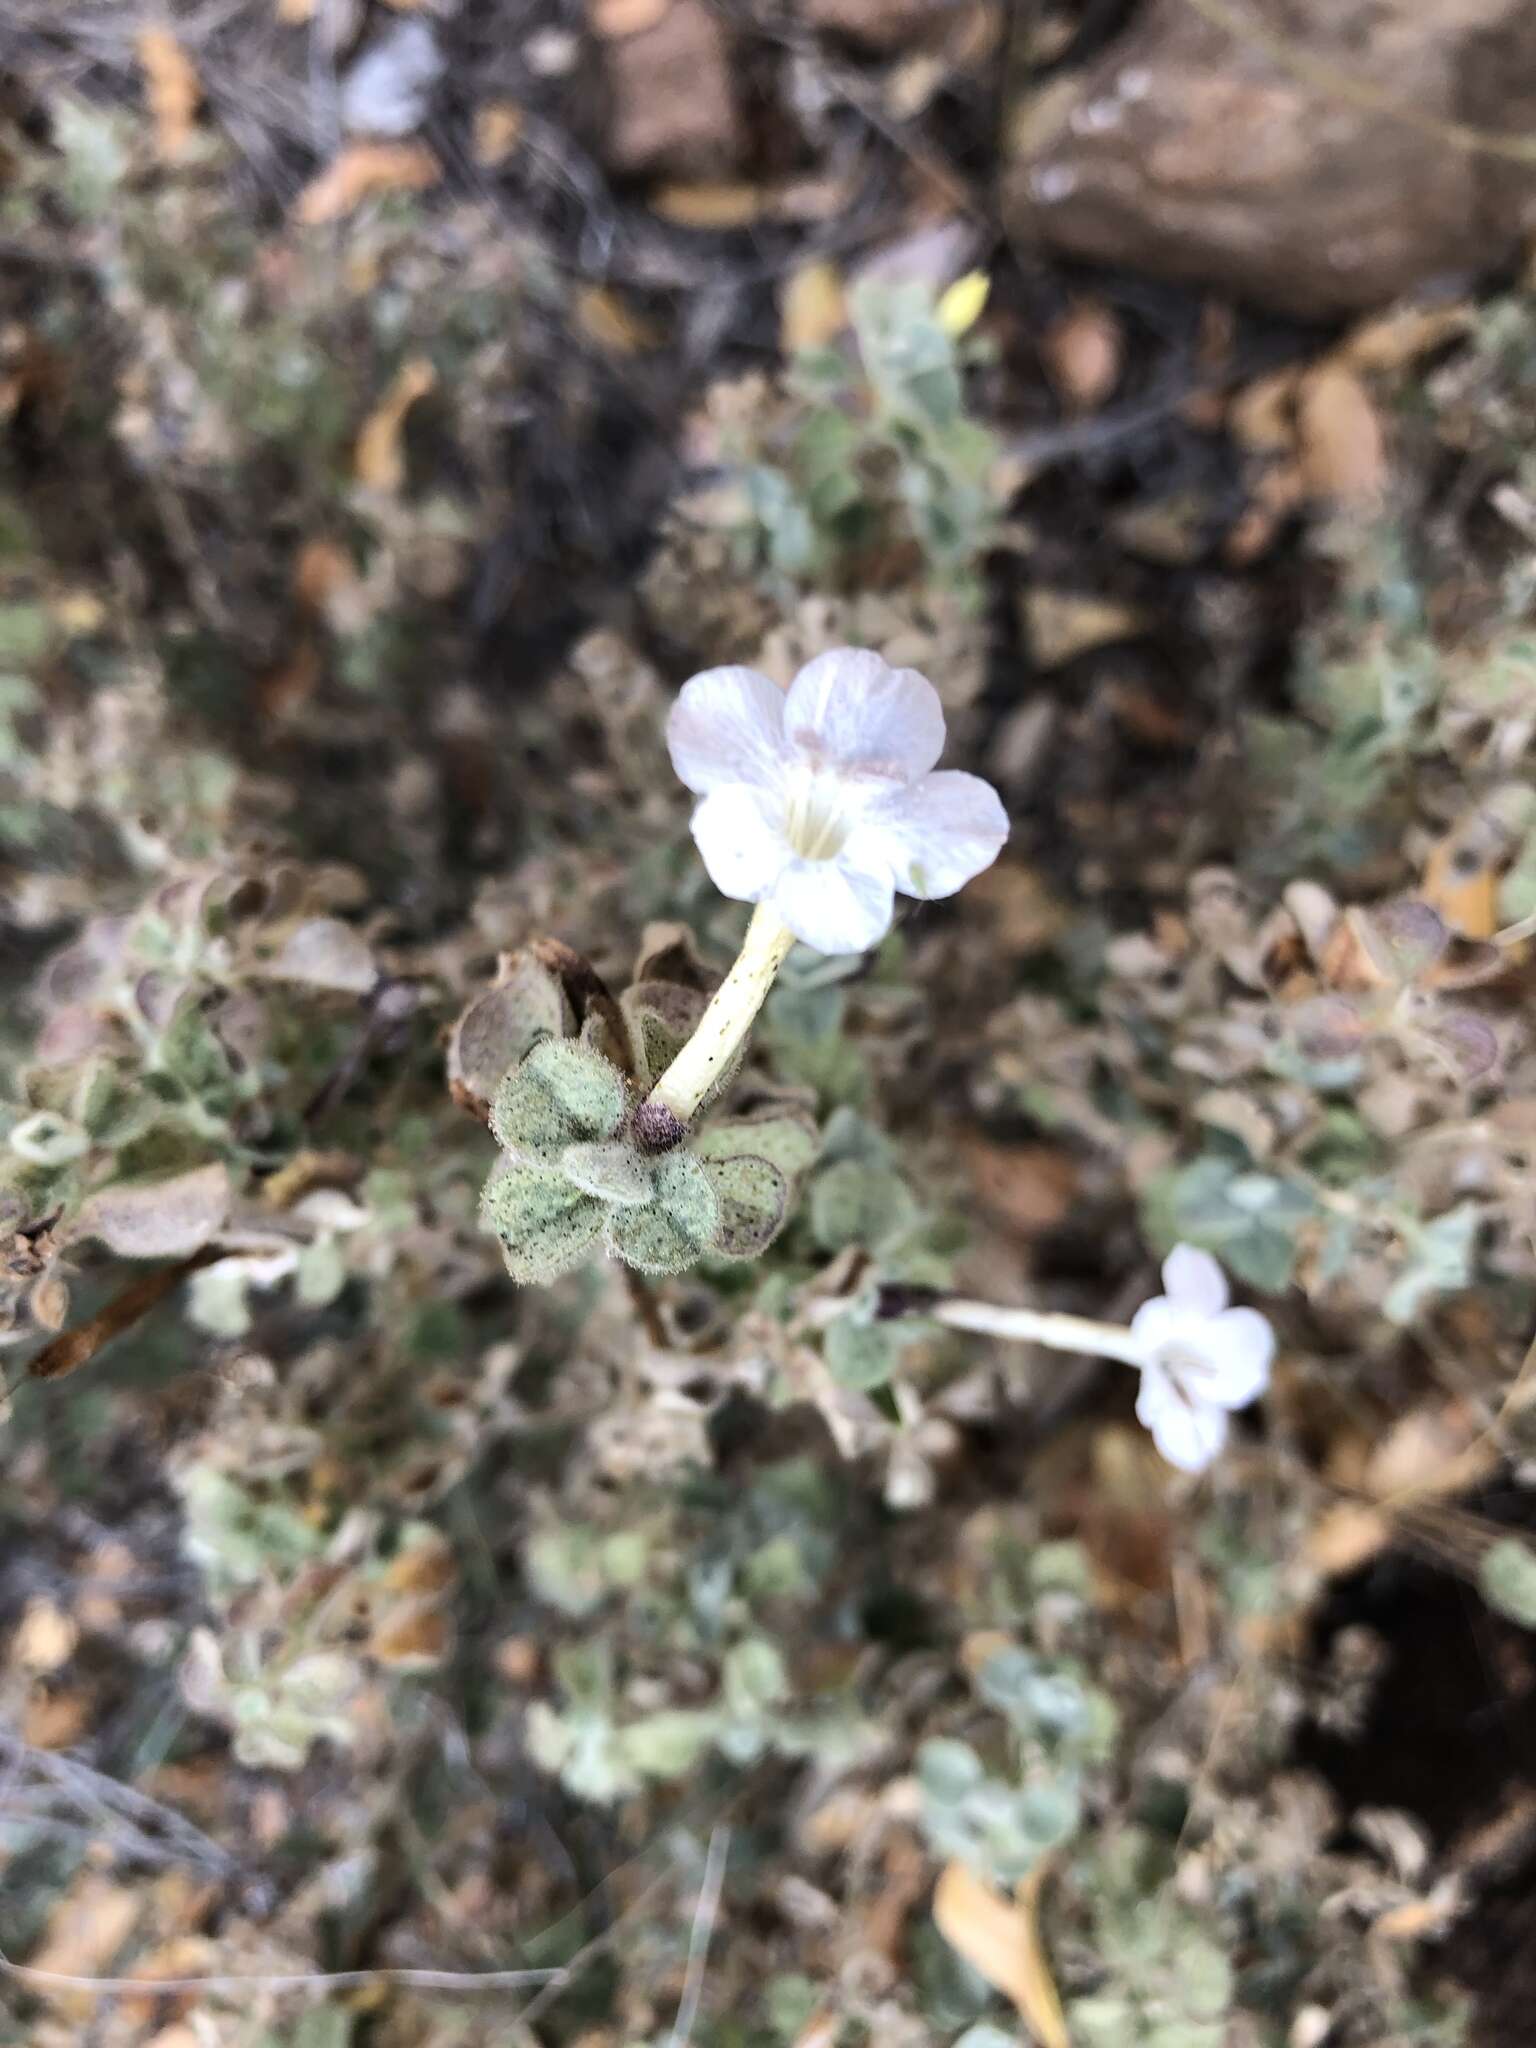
(546, 1225)
(562, 1094)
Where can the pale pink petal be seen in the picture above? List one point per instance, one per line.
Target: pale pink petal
(932, 837)
(833, 908)
(1189, 1434)
(1194, 1280)
(851, 710)
(727, 726)
(739, 833)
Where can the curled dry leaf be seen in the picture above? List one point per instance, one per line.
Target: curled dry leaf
(361, 171)
(159, 1219)
(498, 131)
(329, 954)
(720, 205)
(88, 1927)
(1000, 1939)
(379, 460)
(1343, 449)
(814, 309)
(1461, 883)
(606, 319)
(172, 88)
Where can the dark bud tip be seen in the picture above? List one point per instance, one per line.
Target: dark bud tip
(903, 1298)
(654, 1128)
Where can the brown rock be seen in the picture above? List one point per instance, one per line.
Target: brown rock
(1304, 165)
(672, 110)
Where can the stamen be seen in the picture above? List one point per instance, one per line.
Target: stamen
(814, 823)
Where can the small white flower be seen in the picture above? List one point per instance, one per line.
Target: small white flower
(1200, 1360)
(822, 801)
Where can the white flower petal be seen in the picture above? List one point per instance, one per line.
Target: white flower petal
(1160, 1324)
(833, 907)
(1189, 1434)
(932, 837)
(1241, 1347)
(739, 833)
(727, 726)
(851, 710)
(1195, 1281)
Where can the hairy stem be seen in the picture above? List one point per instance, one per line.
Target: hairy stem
(1032, 1326)
(725, 1023)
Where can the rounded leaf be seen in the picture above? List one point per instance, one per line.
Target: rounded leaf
(753, 1198)
(672, 1232)
(545, 1225)
(159, 1219)
(609, 1169)
(562, 1094)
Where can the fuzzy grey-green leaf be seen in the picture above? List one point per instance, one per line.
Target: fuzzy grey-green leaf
(609, 1169)
(786, 1140)
(753, 1196)
(545, 1225)
(561, 1095)
(854, 1203)
(502, 1026)
(671, 1232)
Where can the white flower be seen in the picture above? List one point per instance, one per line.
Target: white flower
(1200, 1360)
(822, 801)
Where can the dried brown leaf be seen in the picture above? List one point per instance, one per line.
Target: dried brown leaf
(1346, 1537)
(1343, 448)
(378, 461)
(1000, 1939)
(361, 171)
(498, 131)
(606, 319)
(714, 205)
(329, 954)
(159, 1219)
(814, 308)
(87, 1928)
(1462, 888)
(172, 89)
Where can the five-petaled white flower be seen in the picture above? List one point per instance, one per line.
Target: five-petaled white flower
(822, 802)
(1200, 1360)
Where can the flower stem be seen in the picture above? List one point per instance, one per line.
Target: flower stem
(725, 1023)
(1032, 1326)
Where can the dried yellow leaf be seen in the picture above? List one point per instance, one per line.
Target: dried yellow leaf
(1346, 1537)
(1343, 449)
(172, 89)
(604, 318)
(87, 1928)
(361, 170)
(498, 131)
(378, 461)
(814, 310)
(45, 1637)
(708, 206)
(1000, 1939)
(1462, 887)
